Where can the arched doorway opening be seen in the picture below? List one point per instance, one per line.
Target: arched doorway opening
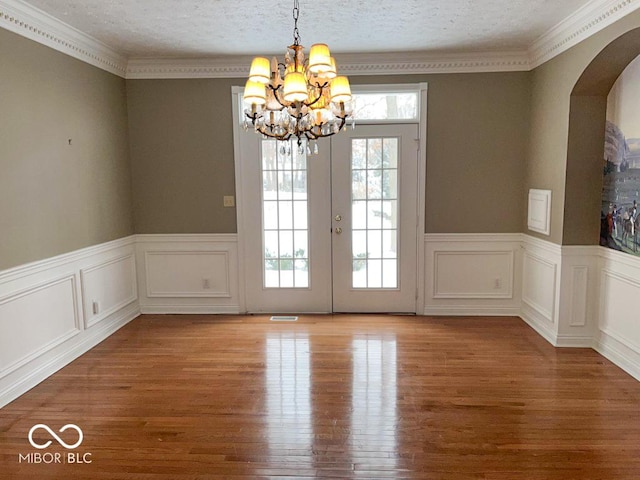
(587, 123)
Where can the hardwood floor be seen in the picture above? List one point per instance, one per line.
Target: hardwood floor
(342, 397)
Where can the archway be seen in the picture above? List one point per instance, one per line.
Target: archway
(587, 120)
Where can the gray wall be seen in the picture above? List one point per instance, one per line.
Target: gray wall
(182, 152)
(553, 84)
(182, 155)
(56, 197)
(491, 137)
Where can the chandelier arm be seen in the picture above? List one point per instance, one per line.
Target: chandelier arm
(322, 87)
(282, 137)
(253, 117)
(343, 121)
(311, 135)
(283, 103)
(263, 130)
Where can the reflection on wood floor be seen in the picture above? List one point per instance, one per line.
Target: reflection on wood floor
(342, 397)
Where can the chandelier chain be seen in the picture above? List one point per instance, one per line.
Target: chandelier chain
(296, 14)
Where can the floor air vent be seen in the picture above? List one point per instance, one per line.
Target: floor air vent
(283, 319)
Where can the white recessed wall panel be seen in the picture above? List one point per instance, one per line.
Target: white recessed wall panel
(620, 318)
(473, 274)
(578, 294)
(46, 315)
(36, 320)
(187, 274)
(539, 285)
(191, 273)
(112, 285)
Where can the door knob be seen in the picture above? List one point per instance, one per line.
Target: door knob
(338, 230)
(338, 217)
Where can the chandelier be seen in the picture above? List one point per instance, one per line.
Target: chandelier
(300, 98)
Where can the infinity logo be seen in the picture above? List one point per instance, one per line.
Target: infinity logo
(53, 434)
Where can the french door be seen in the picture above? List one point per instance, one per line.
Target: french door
(331, 232)
(374, 172)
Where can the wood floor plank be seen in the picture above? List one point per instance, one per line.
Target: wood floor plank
(336, 397)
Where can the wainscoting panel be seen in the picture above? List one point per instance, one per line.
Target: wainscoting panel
(577, 296)
(46, 311)
(619, 317)
(488, 274)
(188, 273)
(56, 309)
(540, 286)
(103, 289)
(37, 320)
(579, 276)
(472, 274)
(618, 337)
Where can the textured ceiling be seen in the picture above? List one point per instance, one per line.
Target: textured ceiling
(200, 28)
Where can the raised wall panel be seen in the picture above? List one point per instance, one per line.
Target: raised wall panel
(473, 275)
(37, 320)
(620, 301)
(539, 285)
(46, 318)
(579, 293)
(187, 274)
(112, 284)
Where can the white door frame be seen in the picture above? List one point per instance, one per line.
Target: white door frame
(236, 93)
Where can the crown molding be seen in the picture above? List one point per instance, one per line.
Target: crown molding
(349, 64)
(30, 22)
(426, 63)
(217, 67)
(585, 22)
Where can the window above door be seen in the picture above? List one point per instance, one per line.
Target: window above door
(375, 103)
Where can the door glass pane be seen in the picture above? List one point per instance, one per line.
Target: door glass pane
(359, 184)
(374, 183)
(374, 213)
(284, 216)
(390, 153)
(374, 154)
(359, 153)
(359, 215)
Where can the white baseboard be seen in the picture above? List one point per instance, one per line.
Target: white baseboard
(471, 311)
(48, 315)
(190, 309)
(543, 329)
(47, 364)
(590, 300)
(62, 290)
(568, 341)
(612, 350)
